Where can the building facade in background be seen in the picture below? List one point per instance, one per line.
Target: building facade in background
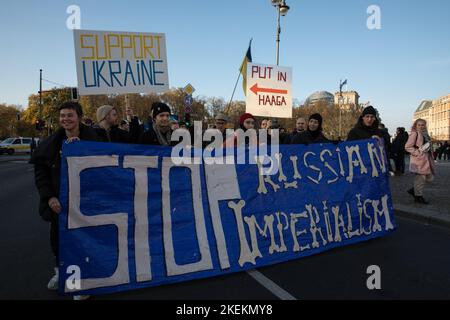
(437, 115)
(349, 99)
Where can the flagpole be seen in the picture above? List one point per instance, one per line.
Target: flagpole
(234, 90)
(237, 81)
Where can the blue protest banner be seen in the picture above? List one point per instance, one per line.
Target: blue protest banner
(133, 218)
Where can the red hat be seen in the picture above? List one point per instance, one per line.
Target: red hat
(246, 116)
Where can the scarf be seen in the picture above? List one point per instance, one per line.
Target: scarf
(426, 137)
(314, 134)
(163, 138)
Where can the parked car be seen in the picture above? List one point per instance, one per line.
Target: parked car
(16, 145)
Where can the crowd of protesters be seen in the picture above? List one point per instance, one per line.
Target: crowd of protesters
(441, 151)
(160, 126)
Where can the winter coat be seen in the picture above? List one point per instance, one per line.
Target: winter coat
(47, 167)
(361, 132)
(306, 138)
(118, 135)
(387, 142)
(420, 162)
(149, 137)
(398, 145)
(291, 136)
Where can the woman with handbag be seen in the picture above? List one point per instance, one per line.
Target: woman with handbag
(421, 159)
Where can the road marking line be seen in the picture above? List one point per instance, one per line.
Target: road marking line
(270, 285)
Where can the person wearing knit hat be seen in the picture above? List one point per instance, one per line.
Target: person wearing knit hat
(313, 134)
(317, 124)
(104, 111)
(160, 107)
(221, 123)
(369, 110)
(221, 116)
(246, 122)
(108, 129)
(367, 126)
(159, 132)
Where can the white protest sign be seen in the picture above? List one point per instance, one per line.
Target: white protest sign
(120, 62)
(269, 91)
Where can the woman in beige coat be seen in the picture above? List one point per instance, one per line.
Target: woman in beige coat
(421, 159)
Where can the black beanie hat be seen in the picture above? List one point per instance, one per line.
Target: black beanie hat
(369, 110)
(159, 107)
(318, 117)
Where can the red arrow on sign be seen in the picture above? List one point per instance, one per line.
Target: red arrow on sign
(255, 89)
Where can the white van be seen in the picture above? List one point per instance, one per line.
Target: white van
(16, 145)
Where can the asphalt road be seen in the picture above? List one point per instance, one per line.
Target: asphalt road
(414, 261)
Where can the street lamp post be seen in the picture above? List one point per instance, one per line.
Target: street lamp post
(340, 103)
(40, 93)
(282, 10)
(340, 115)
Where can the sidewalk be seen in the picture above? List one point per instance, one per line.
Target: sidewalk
(437, 193)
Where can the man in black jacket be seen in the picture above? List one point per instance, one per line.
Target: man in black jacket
(159, 132)
(398, 150)
(300, 126)
(366, 127)
(47, 170)
(108, 130)
(387, 145)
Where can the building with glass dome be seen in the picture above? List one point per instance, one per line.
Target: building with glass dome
(320, 96)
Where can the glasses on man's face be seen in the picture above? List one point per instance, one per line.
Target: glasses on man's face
(220, 123)
(249, 122)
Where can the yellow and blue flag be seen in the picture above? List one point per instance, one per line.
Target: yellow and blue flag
(243, 69)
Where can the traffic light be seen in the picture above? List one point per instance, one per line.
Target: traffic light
(187, 120)
(74, 93)
(40, 124)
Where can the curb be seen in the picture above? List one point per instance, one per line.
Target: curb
(424, 215)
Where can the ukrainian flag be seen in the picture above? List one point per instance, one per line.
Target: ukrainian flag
(243, 69)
